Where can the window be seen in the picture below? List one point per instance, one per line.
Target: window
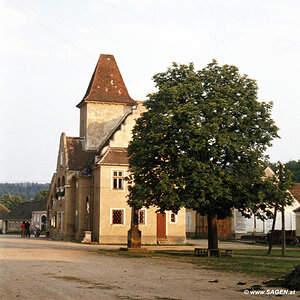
(53, 221)
(173, 218)
(118, 180)
(117, 216)
(87, 205)
(61, 159)
(142, 216)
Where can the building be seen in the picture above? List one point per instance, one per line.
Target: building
(88, 191)
(3, 212)
(296, 193)
(32, 211)
(238, 225)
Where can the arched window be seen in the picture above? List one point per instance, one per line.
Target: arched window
(43, 222)
(87, 204)
(63, 181)
(58, 182)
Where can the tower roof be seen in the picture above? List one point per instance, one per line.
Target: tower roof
(107, 84)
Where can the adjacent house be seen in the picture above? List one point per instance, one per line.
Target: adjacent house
(31, 211)
(238, 225)
(3, 212)
(88, 191)
(296, 193)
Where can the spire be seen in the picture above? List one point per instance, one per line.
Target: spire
(107, 84)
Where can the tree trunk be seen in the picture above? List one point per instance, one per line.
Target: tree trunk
(283, 250)
(212, 231)
(272, 231)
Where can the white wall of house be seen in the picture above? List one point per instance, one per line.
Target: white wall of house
(245, 225)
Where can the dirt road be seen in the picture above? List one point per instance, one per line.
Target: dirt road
(43, 269)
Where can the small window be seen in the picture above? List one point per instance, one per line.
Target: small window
(142, 217)
(173, 218)
(117, 216)
(118, 180)
(61, 159)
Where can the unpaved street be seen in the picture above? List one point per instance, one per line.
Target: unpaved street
(43, 269)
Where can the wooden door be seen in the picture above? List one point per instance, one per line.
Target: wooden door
(161, 226)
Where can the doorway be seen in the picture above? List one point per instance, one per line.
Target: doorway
(161, 226)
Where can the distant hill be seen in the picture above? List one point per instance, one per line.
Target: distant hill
(28, 189)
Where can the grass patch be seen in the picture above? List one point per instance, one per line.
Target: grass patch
(257, 267)
(263, 252)
(125, 254)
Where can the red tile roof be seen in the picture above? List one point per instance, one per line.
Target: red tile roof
(107, 84)
(77, 157)
(296, 191)
(115, 156)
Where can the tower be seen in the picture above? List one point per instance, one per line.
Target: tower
(105, 103)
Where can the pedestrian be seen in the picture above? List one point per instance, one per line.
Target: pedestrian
(27, 229)
(23, 229)
(36, 231)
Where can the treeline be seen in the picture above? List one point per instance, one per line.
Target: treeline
(293, 166)
(10, 201)
(27, 189)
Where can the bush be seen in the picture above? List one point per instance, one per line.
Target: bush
(292, 280)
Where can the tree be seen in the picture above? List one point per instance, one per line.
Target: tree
(42, 195)
(200, 143)
(277, 197)
(11, 201)
(293, 166)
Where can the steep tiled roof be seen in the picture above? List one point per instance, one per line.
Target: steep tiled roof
(296, 191)
(3, 211)
(107, 84)
(115, 156)
(24, 210)
(77, 157)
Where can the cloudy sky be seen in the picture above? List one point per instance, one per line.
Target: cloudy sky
(49, 49)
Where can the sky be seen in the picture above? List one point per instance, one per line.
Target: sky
(49, 49)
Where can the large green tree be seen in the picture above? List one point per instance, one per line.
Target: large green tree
(41, 195)
(11, 201)
(200, 143)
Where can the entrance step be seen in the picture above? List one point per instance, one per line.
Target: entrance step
(162, 241)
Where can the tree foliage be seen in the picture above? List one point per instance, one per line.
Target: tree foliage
(200, 142)
(293, 166)
(11, 201)
(42, 195)
(29, 189)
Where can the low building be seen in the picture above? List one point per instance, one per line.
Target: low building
(239, 225)
(297, 213)
(3, 212)
(25, 211)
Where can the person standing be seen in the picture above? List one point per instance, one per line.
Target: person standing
(23, 229)
(27, 229)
